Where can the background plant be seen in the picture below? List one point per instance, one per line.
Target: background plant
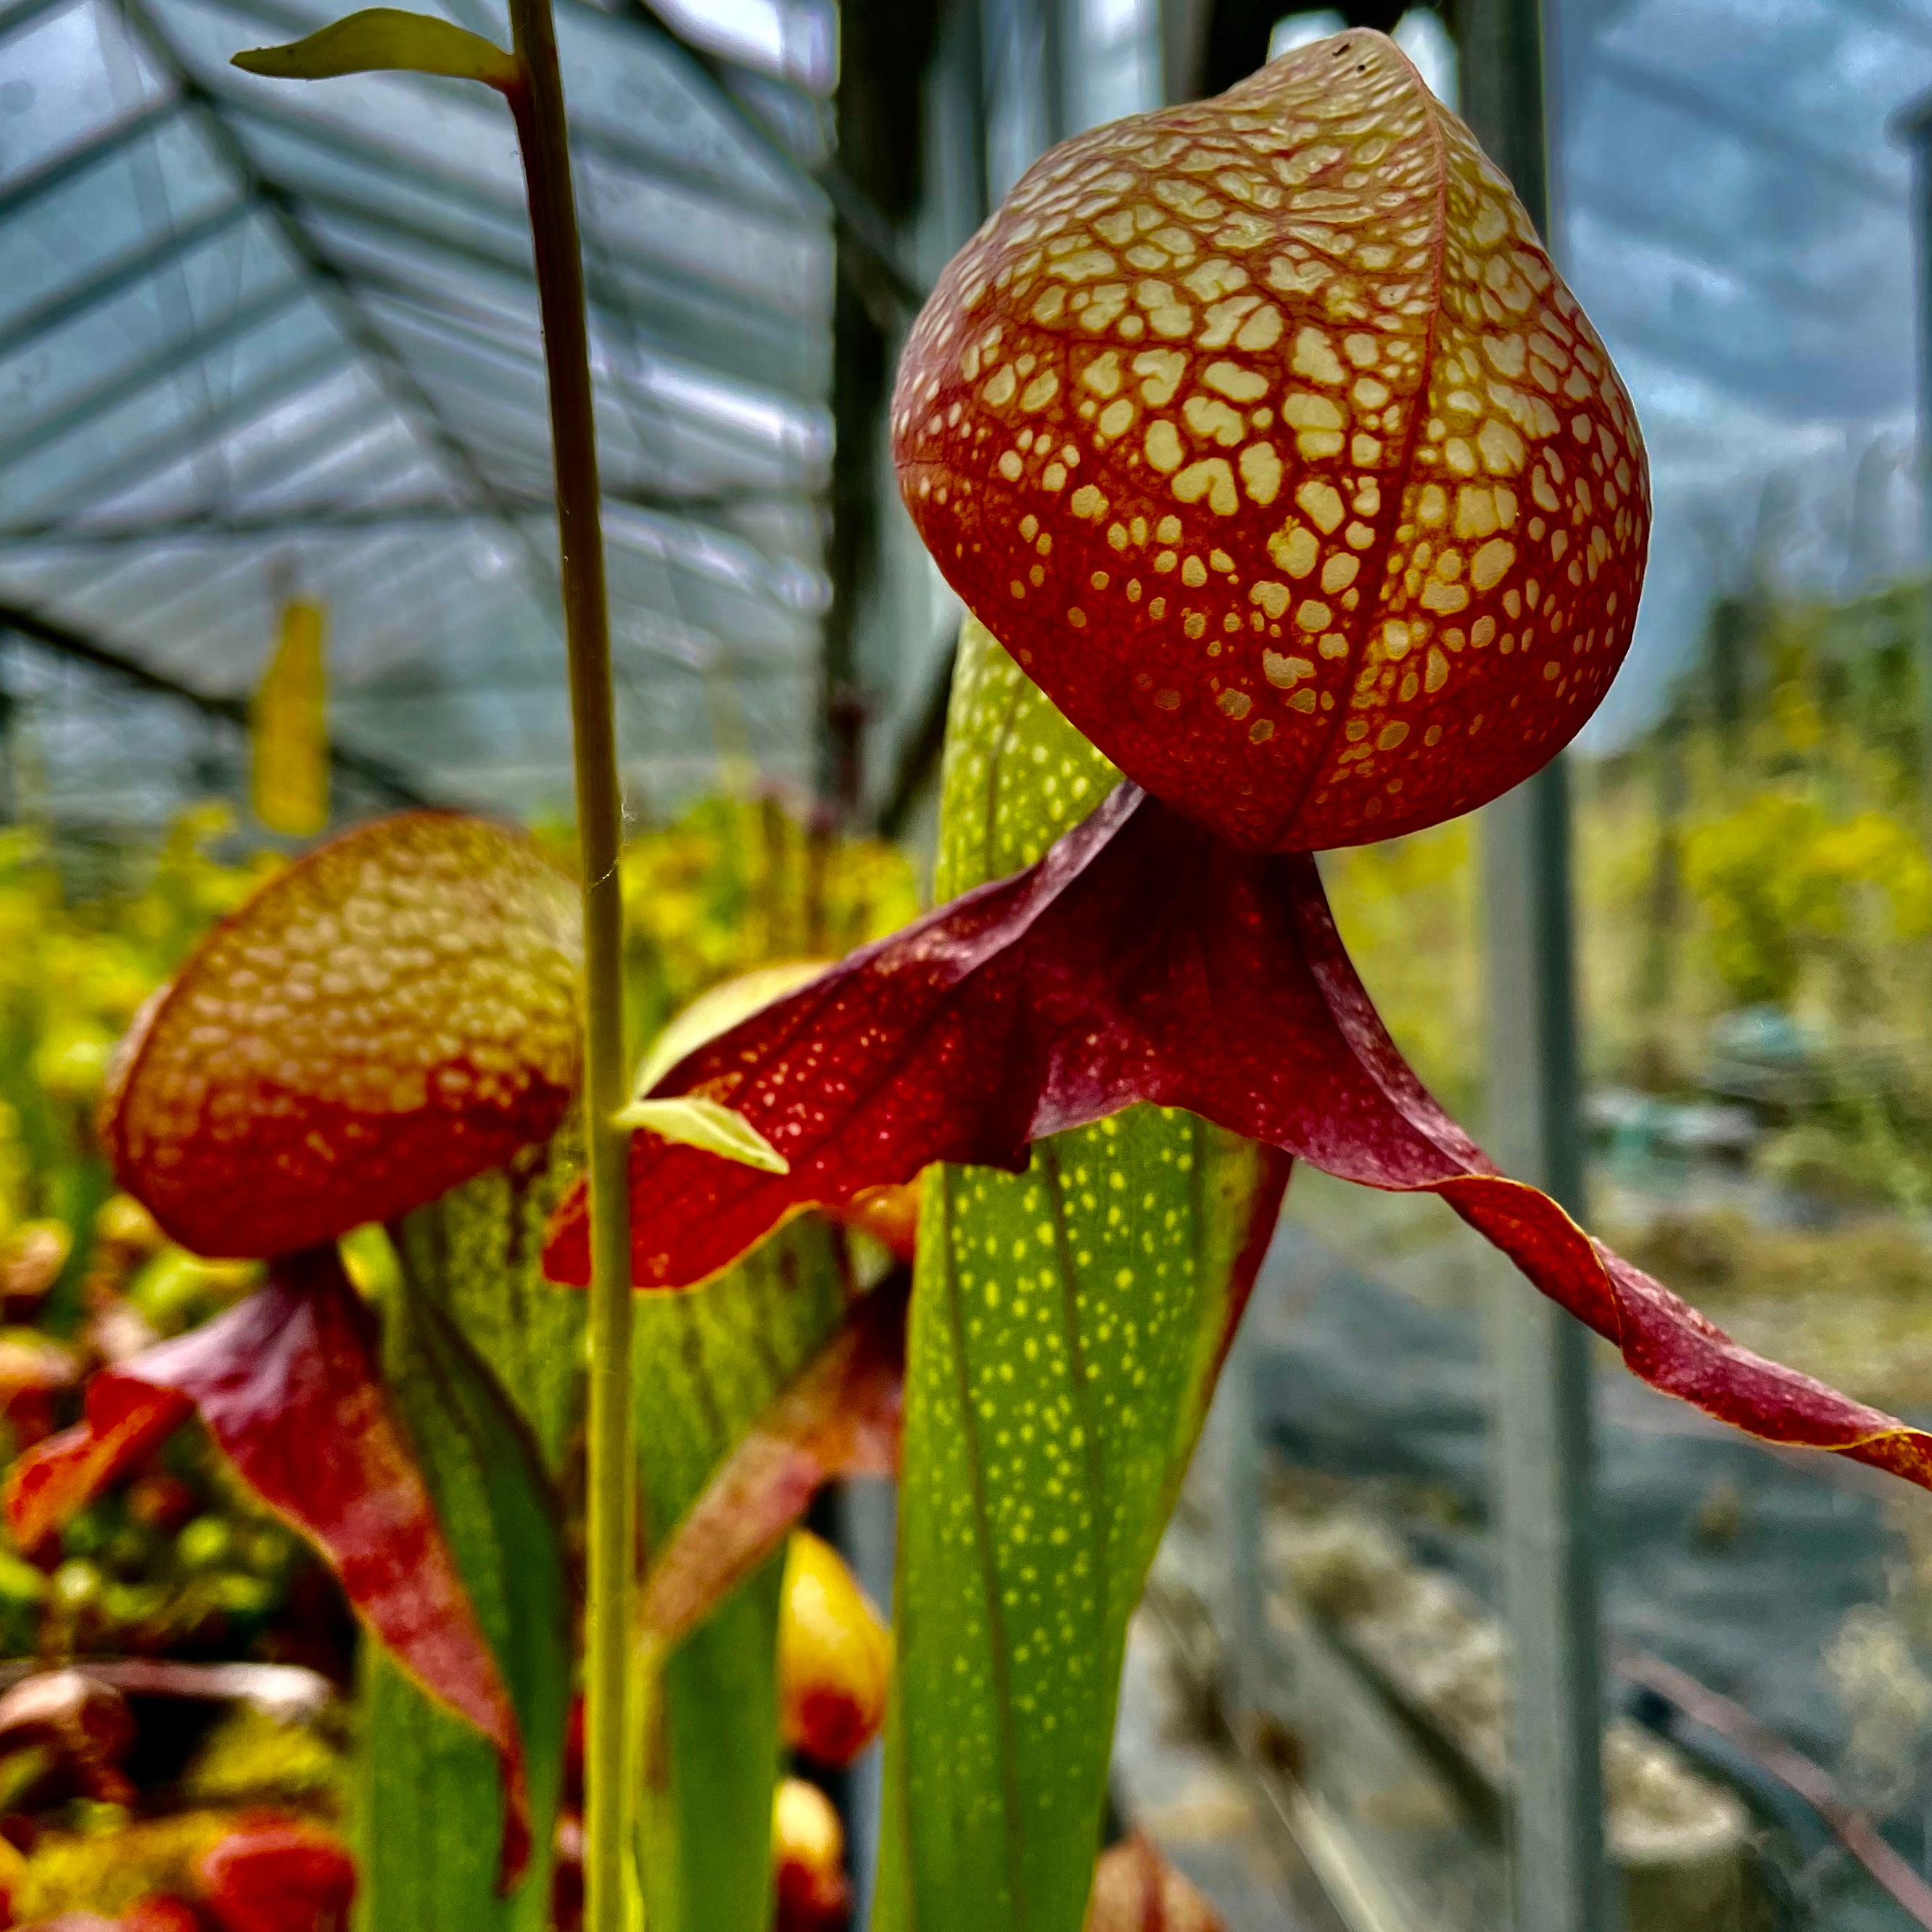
(179, 1559)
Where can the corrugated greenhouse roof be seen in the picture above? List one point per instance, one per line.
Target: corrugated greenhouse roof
(256, 337)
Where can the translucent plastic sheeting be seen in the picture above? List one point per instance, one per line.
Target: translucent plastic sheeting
(1736, 215)
(256, 338)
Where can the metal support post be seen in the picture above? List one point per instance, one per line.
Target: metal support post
(1237, 1414)
(880, 105)
(1539, 1356)
(1539, 1370)
(867, 1522)
(1914, 128)
(10, 755)
(1060, 66)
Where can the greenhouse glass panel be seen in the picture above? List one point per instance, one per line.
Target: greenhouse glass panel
(296, 313)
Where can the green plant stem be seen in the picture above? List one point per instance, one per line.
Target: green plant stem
(611, 1535)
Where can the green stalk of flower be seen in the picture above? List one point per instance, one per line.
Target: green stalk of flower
(528, 79)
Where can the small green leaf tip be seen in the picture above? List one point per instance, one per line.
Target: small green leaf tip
(693, 1122)
(385, 40)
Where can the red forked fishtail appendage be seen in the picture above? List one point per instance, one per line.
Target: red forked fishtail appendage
(1143, 959)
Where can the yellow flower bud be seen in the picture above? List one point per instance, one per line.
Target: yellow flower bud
(834, 1656)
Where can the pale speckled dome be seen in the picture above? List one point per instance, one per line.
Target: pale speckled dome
(1264, 435)
(391, 1015)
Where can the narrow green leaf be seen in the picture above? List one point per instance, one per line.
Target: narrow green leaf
(429, 1801)
(387, 40)
(840, 1415)
(1066, 1325)
(477, 1253)
(693, 1121)
(709, 1362)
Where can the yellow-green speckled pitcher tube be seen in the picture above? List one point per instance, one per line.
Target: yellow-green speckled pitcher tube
(708, 1362)
(1065, 1326)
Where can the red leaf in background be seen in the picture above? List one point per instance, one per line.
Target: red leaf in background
(1144, 959)
(276, 1874)
(890, 1215)
(840, 1416)
(288, 1385)
(160, 1911)
(50, 1481)
(391, 1015)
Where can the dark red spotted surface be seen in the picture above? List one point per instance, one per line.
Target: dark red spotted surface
(392, 1015)
(1264, 435)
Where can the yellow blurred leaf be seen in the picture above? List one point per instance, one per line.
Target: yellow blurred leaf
(696, 1123)
(290, 728)
(386, 40)
(717, 1011)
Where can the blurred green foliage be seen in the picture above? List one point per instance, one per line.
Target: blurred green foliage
(738, 881)
(1780, 880)
(1761, 850)
(181, 1560)
(73, 970)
